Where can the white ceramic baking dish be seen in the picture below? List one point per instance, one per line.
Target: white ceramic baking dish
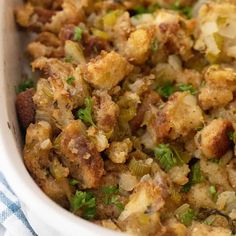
(39, 207)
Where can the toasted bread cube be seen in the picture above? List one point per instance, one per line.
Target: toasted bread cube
(214, 138)
(199, 196)
(138, 46)
(80, 155)
(118, 151)
(180, 115)
(211, 97)
(106, 112)
(107, 70)
(219, 88)
(146, 195)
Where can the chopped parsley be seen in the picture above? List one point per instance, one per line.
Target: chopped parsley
(166, 90)
(139, 10)
(143, 10)
(23, 86)
(194, 178)
(110, 189)
(187, 87)
(78, 34)
(111, 197)
(85, 114)
(114, 200)
(230, 134)
(187, 11)
(167, 157)
(84, 201)
(73, 182)
(154, 7)
(70, 80)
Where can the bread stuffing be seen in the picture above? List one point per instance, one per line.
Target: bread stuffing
(129, 114)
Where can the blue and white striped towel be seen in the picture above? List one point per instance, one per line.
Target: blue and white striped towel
(12, 217)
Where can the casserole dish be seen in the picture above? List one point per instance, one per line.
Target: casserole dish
(141, 139)
(59, 221)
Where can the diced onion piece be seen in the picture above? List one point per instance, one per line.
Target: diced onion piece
(231, 51)
(127, 182)
(228, 30)
(166, 17)
(142, 19)
(212, 47)
(219, 40)
(209, 28)
(58, 171)
(175, 62)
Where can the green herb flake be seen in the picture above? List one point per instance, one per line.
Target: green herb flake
(167, 157)
(110, 189)
(187, 11)
(89, 213)
(186, 187)
(111, 197)
(153, 7)
(84, 201)
(187, 87)
(187, 217)
(115, 201)
(78, 34)
(73, 182)
(166, 90)
(85, 114)
(23, 86)
(230, 135)
(70, 80)
(194, 178)
(139, 10)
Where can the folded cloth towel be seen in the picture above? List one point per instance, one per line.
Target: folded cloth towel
(12, 217)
